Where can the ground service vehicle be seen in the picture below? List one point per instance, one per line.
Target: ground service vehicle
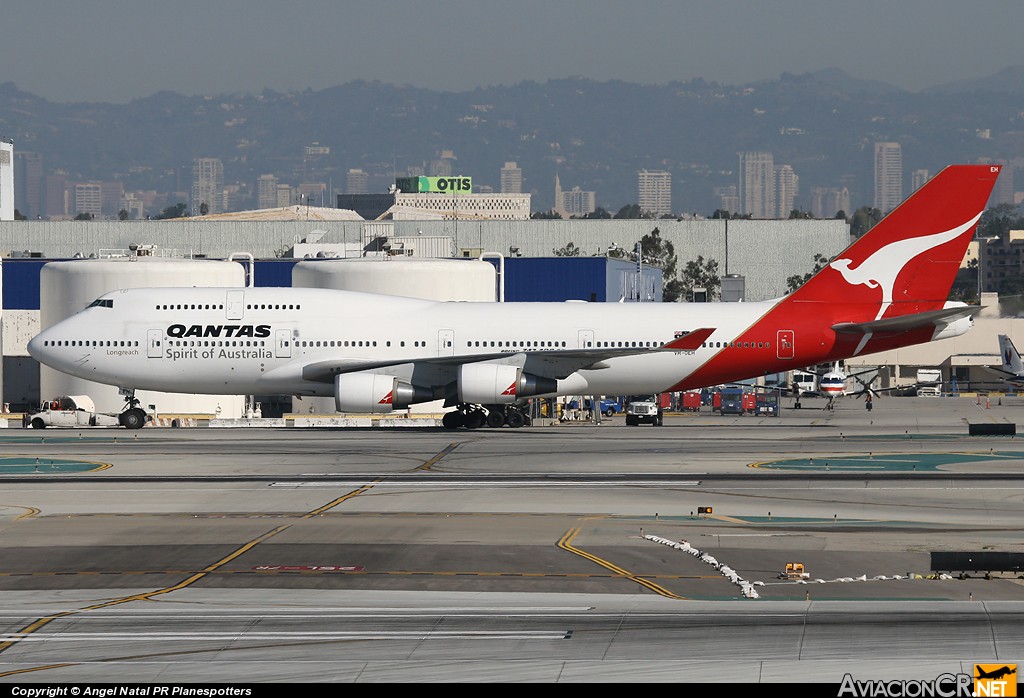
(644, 409)
(731, 401)
(80, 411)
(768, 405)
(929, 382)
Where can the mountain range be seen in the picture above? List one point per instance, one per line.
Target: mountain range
(594, 135)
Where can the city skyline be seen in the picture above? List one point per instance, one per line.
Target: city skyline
(312, 44)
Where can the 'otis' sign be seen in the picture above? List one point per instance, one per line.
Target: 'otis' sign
(435, 185)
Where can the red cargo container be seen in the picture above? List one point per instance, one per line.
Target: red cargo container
(749, 403)
(665, 400)
(691, 401)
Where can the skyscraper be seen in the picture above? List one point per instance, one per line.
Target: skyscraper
(357, 182)
(266, 191)
(29, 184)
(511, 179)
(787, 186)
(827, 202)
(654, 191)
(757, 184)
(1004, 189)
(578, 203)
(207, 185)
(918, 179)
(6, 181)
(88, 198)
(888, 176)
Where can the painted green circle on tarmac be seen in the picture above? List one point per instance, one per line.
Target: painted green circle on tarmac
(18, 465)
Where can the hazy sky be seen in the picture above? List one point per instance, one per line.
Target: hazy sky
(119, 50)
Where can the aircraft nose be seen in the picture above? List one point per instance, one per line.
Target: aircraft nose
(39, 348)
(35, 347)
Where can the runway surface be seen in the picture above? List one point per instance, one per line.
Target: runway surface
(565, 553)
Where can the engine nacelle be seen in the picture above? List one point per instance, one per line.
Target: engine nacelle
(374, 392)
(499, 384)
(956, 327)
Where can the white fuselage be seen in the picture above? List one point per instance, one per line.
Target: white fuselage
(258, 341)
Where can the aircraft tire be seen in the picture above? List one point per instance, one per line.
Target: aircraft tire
(452, 420)
(38, 423)
(515, 419)
(134, 418)
(474, 419)
(495, 419)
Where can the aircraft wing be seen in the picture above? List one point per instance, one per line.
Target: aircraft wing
(548, 363)
(905, 323)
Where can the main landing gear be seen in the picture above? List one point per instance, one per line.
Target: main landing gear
(493, 416)
(132, 416)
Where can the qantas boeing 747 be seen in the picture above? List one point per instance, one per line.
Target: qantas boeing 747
(376, 353)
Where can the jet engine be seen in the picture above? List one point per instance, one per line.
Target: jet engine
(499, 384)
(956, 327)
(375, 392)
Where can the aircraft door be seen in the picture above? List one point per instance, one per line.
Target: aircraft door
(234, 305)
(785, 346)
(154, 344)
(446, 342)
(283, 349)
(586, 338)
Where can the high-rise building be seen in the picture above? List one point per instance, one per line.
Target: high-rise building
(757, 184)
(112, 193)
(55, 198)
(357, 182)
(6, 181)
(29, 184)
(918, 179)
(88, 198)
(826, 202)
(654, 191)
(511, 179)
(1003, 193)
(207, 185)
(888, 176)
(578, 203)
(135, 208)
(266, 191)
(728, 199)
(442, 167)
(284, 196)
(787, 187)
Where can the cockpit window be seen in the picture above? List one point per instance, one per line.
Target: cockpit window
(102, 303)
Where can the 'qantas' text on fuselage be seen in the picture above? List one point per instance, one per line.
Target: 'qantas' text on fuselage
(180, 331)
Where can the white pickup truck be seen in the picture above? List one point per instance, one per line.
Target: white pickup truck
(80, 411)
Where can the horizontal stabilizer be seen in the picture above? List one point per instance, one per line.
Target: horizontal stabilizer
(689, 341)
(905, 323)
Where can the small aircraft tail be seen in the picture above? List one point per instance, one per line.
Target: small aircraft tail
(1012, 363)
(906, 264)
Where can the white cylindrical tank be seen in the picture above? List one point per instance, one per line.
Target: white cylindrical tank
(65, 288)
(432, 279)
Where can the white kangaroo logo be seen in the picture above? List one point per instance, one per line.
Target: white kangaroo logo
(882, 267)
